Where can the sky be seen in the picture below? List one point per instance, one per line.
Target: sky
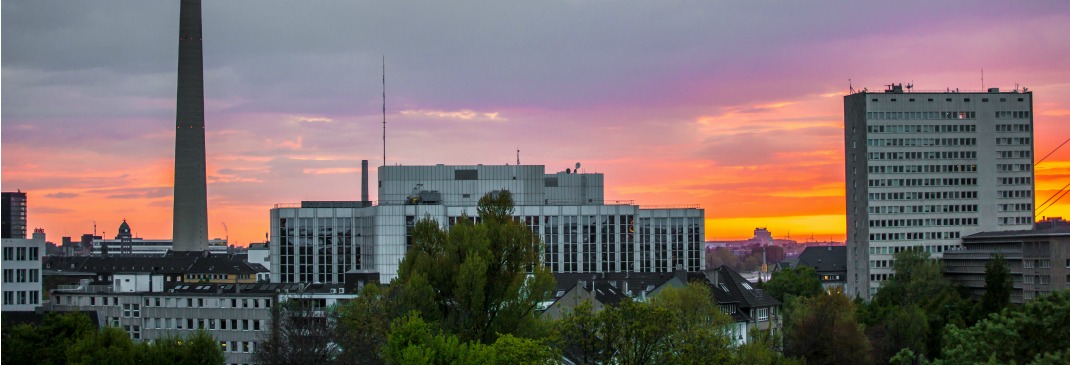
(735, 106)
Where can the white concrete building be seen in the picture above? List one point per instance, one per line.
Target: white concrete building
(580, 231)
(924, 169)
(22, 272)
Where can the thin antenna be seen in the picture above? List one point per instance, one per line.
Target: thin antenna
(518, 156)
(384, 110)
(982, 79)
(851, 86)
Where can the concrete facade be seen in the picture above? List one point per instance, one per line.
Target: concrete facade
(580, 231)
(22, 280)
(191, 192)
(924, 169)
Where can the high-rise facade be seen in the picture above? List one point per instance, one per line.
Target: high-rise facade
(580, 230)
(191, 195)
(924, 169)
(14, 215)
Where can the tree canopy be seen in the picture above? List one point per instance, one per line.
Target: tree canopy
(477, 280)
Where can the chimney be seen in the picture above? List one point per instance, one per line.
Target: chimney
(364, 184)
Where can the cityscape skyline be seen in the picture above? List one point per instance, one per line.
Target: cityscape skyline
(742, 115)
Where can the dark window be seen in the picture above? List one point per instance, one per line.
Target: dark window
(550, 182)
(466, 174)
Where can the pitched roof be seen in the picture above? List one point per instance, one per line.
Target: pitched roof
(180, 263)
(730, 287)
(825, 258)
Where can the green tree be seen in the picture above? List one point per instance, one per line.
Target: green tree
(363, 326)
(700, 329)
(1034, 333)
(641, 331)
(998, 286)
(581, 336)
(199, 348)
(823, 329)
(722, 256)
(801, 281)
(110, 346)
(918, 282)
(478, 280)
(47, 343)
(415, 341)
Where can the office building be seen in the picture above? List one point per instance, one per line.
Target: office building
(126, 243)
(191, 194)
(579, 229)
(14, 215)
(1038, 260)
(924, 169)
(22, 285)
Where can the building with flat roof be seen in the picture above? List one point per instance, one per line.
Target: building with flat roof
(1038, 260)
(924, 169)
(13, 212)
(22, 285)
(579, 229)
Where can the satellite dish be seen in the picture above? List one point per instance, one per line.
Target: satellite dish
(577, 166)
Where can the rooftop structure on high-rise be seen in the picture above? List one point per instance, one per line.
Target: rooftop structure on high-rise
(924, 169)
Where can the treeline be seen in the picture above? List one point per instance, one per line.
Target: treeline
(750, 260)
(920, 317)
(469, 295)
(71, 338)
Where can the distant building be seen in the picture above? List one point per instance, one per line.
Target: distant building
(580, 231)
(260, 253)
(125, 244)
(22, 272)
(924, 169)
(1038, 260)
(830, 263)
(13, 212)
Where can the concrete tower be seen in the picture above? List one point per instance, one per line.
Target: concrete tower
(191, 196)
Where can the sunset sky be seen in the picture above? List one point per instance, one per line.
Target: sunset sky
(734, 106)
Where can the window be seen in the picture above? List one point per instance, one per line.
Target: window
(9, 253)
(132, 310)
(763, 314)
(21, 253)
(9, 275)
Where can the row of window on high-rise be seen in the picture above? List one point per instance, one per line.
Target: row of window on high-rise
(1008, 221)
(21, 253)
(926, 222)
(926, 208)
(22, 275)
(1013, 127)
(1014, 154)
(947, 181)
(1010, 141)
(920, 169)
(922, 128)
(922, 155)
(920, 142)
(924, 195)
(21, 297)
(913, 236)
(921, 115)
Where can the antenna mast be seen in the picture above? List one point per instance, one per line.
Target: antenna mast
(384, 110)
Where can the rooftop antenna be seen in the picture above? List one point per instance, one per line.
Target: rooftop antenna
(518, 156)
(384, 110)
(851, 86)
(982, 79)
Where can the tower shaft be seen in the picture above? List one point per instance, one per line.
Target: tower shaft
(191, 195)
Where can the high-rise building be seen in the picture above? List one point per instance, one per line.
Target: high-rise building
(14, 215)
(22, 271)
(191, 195)
(924, 169)
(580, 230)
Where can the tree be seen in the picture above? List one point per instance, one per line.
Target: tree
(47, 343)
(415, 341)
(700, 329)
(823, 329)
(998, 286)
(363, 327)
(110, 346)
(299, 333)
(1034, 333)
(197, 349)
(722, 256)
(801, 281)
(478, 280)
(581, 336)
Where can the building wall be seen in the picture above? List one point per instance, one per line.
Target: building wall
(22, 286)
(238, 321)
(925, 169)
(13, 213)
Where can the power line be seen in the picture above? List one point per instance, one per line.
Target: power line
(1049, 153)
(1064, 192)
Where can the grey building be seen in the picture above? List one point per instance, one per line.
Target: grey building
(830, 263)
(579, 229)
(924, 169)
(13, 212)
(23, 280)
(1038, 260)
